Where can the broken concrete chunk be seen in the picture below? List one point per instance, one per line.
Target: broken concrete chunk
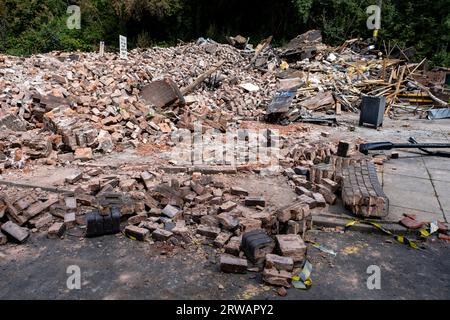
(105, 142)
(14, 231)
(250, 87)
(13, 122)
(231, 264)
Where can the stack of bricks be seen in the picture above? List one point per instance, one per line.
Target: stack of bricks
(340, 163)
(361, 190)
(305, 153)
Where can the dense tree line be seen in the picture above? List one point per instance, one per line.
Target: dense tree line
(31, 26)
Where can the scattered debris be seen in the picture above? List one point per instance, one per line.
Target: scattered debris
(73, 115)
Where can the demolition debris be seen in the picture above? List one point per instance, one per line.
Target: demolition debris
(65, 111)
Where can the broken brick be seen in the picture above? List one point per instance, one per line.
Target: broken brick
(311, 202)
(71, 203)
(228, 206)
(70, 220)
(222, 239)
(411, 223)
(279, 262)
(208, 231)
(74, 177)
(135, 220)
(40, 222)
(127, 185)
(56, 230)
(291, 245)
(233, 246)
(83, 154)
(137, 233)
(302, 190)
(161, 235)
(238, 191)
(274, 277)
(249, 224)
(38, 207)
(3, 239)
(228, 221)
(203, 198)
(231, 264)
(255, 201)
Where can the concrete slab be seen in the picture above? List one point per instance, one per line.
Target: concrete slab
(437, 163)
(440, 174)
(396, 213)
(411, 167)
(412, 199)
(406, 183)
(443, 192)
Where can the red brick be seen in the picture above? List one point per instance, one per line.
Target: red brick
(231, 264)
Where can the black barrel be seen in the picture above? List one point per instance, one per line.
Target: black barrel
(99, 225)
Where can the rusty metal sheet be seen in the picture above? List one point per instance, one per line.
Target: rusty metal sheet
(162, 93)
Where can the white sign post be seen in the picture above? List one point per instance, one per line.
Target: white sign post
(123, 47)
(102, 48)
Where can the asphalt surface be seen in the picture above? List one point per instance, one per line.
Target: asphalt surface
(114, 267)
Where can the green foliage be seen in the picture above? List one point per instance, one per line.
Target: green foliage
(32, 26)
(303, 8)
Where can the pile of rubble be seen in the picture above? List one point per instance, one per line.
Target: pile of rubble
(84, 100)
(62, 109)
(249, 232)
